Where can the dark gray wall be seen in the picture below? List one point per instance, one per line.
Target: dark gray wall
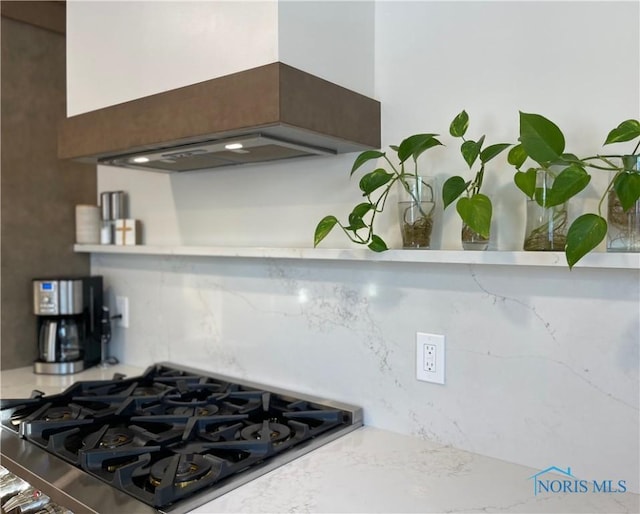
(38, 191)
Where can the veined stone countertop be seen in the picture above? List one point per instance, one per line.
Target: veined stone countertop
(377, 471)
(19, 382)
(372, 470)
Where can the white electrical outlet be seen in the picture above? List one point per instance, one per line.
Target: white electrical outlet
(430, 357)
(122, 309)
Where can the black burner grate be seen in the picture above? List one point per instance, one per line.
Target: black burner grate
(169, 433)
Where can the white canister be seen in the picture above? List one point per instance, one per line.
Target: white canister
(87, 224)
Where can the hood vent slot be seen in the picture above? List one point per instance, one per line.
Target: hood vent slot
(213, 154)
(274, 111)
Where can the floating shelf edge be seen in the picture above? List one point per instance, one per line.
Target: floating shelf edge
(496, 258)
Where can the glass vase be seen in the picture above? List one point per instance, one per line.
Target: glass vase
(546, 227)
(471, 240)
(623, 227)
(416, 205)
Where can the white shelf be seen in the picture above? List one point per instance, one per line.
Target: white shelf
(496, 258)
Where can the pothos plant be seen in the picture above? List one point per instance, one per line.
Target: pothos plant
(376, 186)
(474, 208)
(543, 142)
(590, 229)
(563, 174)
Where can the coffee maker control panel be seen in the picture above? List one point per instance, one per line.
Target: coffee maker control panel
(57, 297)
(45, 298)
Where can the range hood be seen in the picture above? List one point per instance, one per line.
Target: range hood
(267, 113)
(243, 149)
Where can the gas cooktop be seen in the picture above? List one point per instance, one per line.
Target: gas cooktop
(172, 439)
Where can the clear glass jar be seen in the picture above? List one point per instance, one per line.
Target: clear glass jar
(416, 205)
(546, 227)
(471, 240)
(623, 227)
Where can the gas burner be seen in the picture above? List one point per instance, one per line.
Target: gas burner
(109, 438)
(267, 431)
(116, 437)
(191, 468)
(59, 414)
(202, 410)
(19, 416)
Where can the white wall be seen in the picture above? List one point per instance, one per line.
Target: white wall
(118, 51)
(333, 40)
(542, 363)
(122, 50)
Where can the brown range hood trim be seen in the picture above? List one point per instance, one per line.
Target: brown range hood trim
(273, 97)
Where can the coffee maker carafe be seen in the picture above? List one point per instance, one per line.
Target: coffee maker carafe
(68, 312)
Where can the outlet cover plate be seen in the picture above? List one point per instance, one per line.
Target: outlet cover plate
(122, 308)
(430, 357)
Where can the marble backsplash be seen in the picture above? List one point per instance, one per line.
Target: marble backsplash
(542, 363)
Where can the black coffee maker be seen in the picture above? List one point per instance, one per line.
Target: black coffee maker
(69, 315)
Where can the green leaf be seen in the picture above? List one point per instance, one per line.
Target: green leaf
(627, 187)
(517, 156)
(355, 224)
(323, 228)
(492, 151)
(373, 180)
(377, 244)
(526, 181)
(355, 218)
(413, 146)
(470, 151)
(626, 131)
(365, 157)
(452, 189)
(361, 209)
(459, 125)
(476, 213)
(569, 157)
(567, 184)
(541, 138)
(584, 234)
(430, 143)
